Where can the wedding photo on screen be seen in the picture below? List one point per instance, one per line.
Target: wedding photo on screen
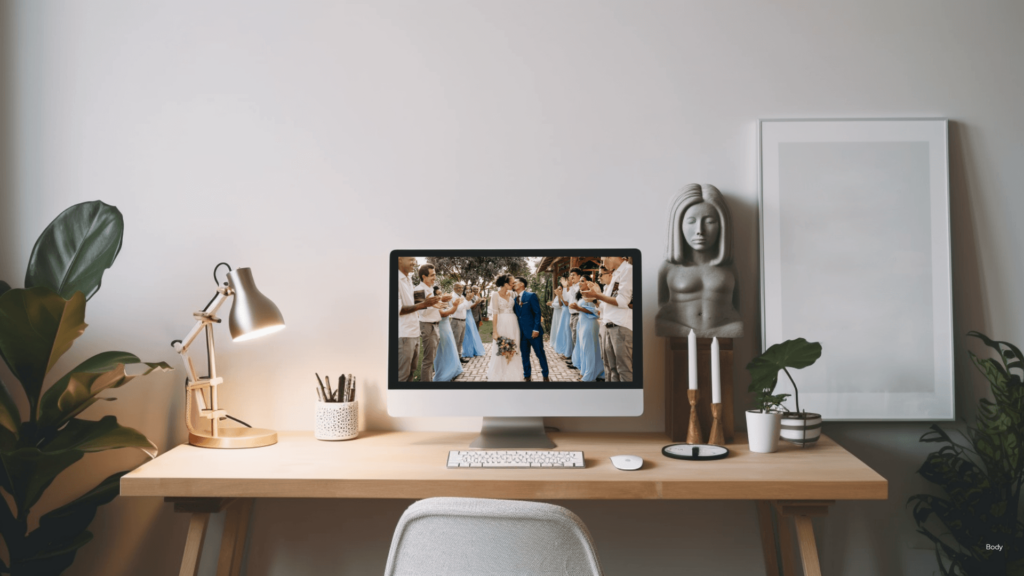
(514, 319)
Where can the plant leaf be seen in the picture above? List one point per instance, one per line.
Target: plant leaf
(764, 370)
(37, 327)
(10, 417)
(76, 248)
(31, 472)
(77, 390)
(98, 435)
(51, 547)
(4, 287)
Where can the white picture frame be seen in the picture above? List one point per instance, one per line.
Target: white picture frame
(855, 254)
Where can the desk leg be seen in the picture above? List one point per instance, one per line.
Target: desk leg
(194, 543)
(200, 509)
(808, 549)
(232, 543)
(801, 511)
(764, 519)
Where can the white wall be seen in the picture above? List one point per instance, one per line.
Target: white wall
(308, 139)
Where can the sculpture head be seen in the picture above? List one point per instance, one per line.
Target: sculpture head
(699, 221)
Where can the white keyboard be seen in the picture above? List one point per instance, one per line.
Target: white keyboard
(515, 459)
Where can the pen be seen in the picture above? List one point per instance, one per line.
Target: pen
(353, 392)
(320, 394)
(341, 388)
(322, 391)
(330, 394)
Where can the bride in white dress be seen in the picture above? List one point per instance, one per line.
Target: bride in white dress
(505, 324)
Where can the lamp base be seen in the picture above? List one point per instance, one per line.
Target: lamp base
(235, 438)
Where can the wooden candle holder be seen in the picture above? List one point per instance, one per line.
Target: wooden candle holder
(677, 405)
(693, 435)
(717, 436)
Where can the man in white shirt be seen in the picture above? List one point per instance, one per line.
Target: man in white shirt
(606, 350)
(408, 319)
(618, 319)
(429, 318)
(458, 319)
(569, 297)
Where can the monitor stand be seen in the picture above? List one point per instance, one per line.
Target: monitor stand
(519, 432)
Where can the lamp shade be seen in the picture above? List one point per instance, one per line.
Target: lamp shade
(252, 314)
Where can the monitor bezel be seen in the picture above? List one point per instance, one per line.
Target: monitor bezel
(638, 368)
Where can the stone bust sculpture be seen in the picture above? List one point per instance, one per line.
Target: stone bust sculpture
(697, 282)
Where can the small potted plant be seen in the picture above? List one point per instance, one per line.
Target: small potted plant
(799, 427)
(765, 422)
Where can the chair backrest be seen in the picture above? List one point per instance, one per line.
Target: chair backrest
(478, 536)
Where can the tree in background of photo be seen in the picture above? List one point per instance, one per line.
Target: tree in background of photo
(541, 285)
(477, 271)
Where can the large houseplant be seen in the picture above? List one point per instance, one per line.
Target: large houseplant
(982, 478)
(38, 324)
(800, 427)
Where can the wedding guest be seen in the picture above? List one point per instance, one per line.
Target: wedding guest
(458, 318)
(473, 345)
(446, 364)
(556, 315)
(430, 317)
(606, 288)
(588, 353)
(408, 319)
(478, 307)
(570, 296)
(618, 319)
(563, 341)
(577, 341)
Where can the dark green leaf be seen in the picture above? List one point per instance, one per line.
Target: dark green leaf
(96, 436)
(77, 390)
(764, 370)
(60, 532)
(52, 561)
(797, 353)
(37, 327)
(30, 472)
(4, 287)
(76, 248)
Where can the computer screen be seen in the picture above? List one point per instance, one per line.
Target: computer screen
(516, 333)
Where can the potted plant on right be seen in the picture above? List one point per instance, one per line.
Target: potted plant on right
(799, 427)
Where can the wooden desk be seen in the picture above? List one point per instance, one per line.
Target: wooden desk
(792, 482)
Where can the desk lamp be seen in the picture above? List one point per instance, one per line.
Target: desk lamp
(252, 315)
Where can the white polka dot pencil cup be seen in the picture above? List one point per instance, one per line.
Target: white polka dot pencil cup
(337, 420)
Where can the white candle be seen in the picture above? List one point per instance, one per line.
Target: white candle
(691, 342)
(716, 374)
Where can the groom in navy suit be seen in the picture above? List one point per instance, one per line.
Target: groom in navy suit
(527, 308)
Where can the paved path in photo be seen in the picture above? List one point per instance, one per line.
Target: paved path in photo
(476, 369)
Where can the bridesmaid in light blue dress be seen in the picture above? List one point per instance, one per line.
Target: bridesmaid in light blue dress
(588, 328)
(472, 345)
(556, 315)
(447, 366)
(563, 341)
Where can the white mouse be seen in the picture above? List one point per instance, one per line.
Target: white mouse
(627, 462)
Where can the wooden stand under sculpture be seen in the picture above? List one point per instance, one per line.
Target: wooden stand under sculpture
(677, 400)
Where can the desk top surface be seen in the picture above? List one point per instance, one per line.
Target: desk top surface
(413, 465)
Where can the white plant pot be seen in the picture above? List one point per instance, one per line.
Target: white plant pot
(801, 428)
(763, 430)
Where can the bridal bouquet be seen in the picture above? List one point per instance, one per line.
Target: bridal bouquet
(506, 348)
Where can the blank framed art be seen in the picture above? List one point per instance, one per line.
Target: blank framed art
(855, 254)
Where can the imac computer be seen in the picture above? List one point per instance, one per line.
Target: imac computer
(467, 326)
